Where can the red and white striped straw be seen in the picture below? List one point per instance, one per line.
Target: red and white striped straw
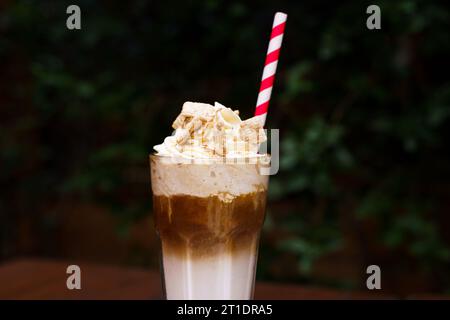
(270, 66)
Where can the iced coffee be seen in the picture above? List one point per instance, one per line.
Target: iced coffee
(209, 202)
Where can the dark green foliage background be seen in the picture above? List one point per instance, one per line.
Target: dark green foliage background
(364, 115)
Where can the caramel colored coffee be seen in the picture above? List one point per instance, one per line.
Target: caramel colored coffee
(203, 227)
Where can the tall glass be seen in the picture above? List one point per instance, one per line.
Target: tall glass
(208, 215)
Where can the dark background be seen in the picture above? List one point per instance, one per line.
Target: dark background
(363, 115)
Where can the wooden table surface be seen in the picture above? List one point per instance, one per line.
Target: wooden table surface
(46, 279)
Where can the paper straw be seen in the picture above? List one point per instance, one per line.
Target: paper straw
(270, 66)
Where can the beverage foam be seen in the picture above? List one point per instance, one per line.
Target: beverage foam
(171, 177)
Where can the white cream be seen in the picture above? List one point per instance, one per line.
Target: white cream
(203, 131)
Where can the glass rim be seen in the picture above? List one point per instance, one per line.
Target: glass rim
(260, 159)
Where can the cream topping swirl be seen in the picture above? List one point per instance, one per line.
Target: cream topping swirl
(206, 131)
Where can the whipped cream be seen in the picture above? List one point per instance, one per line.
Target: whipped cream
(206, 131)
